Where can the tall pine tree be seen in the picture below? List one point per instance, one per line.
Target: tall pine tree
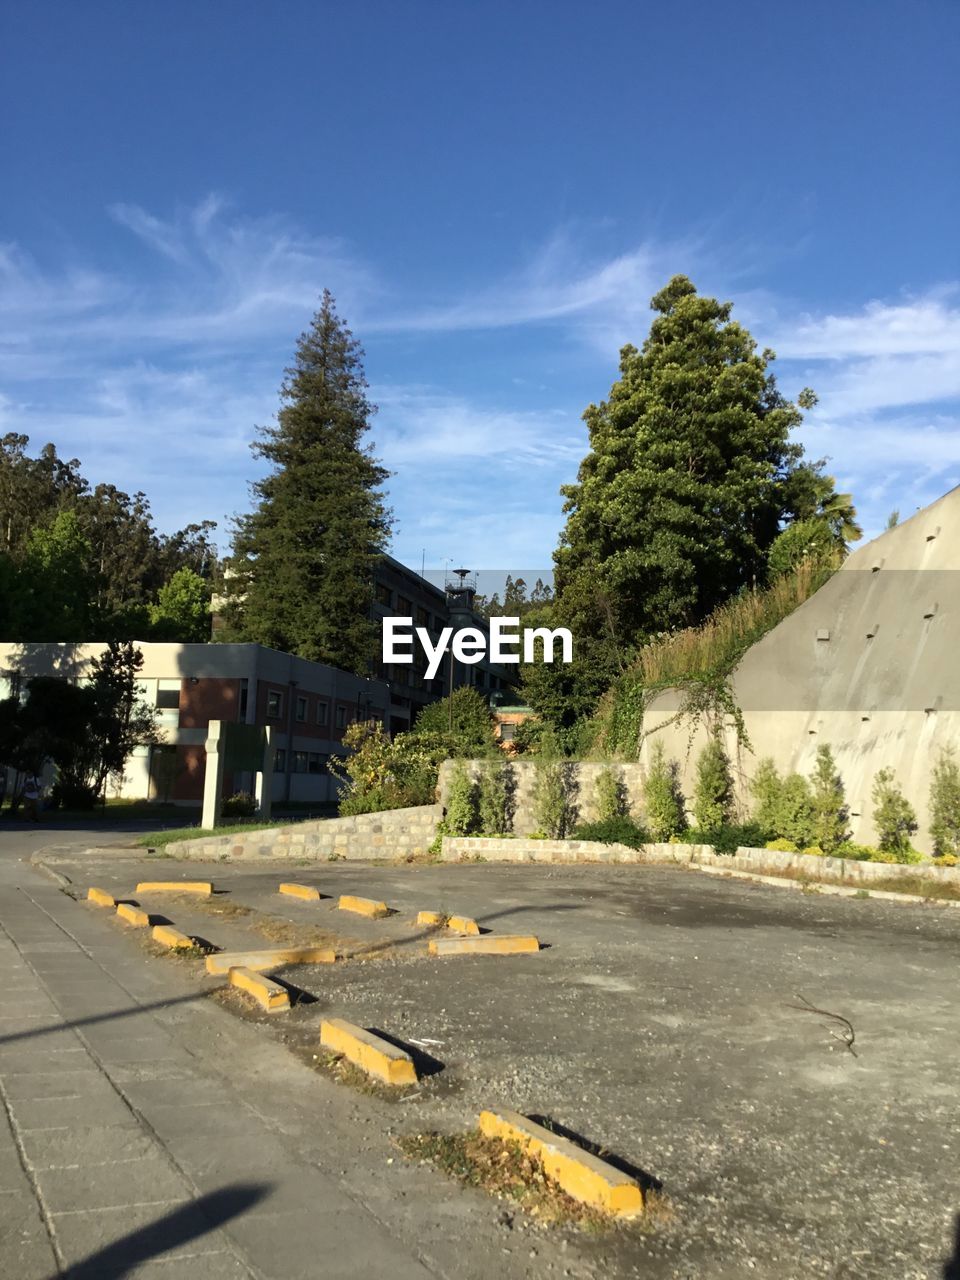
(301, 577)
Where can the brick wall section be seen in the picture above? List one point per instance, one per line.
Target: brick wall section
(395, 833)
(584, 772)
(842, 870)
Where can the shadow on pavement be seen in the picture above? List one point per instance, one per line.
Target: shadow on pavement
(646, 1180)
(100, 1017)
(951, 1268)
(172, 1231)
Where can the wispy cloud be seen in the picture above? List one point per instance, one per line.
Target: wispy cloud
(157, 376)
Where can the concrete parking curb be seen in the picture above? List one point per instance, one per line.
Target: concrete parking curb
(584, 1177)
(171, 937)
(265, 991)
(224, 961)
(363, 906)
(175, 886)
(459, 924)
(101, 897)
(133, 915)
(305, 891)
(371, 1053)
(488, 945)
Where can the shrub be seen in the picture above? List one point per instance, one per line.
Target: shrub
(383, 774)
(765, 786)
(496, 798)
(67, 793)
(611, 795)
(794, 813)
(554, 790)
(713, 794)
(662, 796)
(618, 829)
(893, 815)
(945, 805)
(462, 813)
(240, 805)
(814, 851)
(727, 838)
(830, 812)
(782, 846)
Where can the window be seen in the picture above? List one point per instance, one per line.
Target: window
(168, 699)
(384, 594)
(280, 760)
(404, 607)
(341, 717)
(317, 762)
(242, 710)
(274, 704)
(301, 708)
(299, 762)
(423, 616)
(507, 732)
(323, 711)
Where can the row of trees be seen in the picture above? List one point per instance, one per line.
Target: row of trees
(87, 731)
(80, 562)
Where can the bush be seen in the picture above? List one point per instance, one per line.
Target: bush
(794, 813)
(554, 790)
(727, 838)
(893, 815)
(383, 774)
(240, 805)
(662, 796)
(496, 798)
(611, 795)
(765, 786)
(782, 846)
(814, 851)
(462, 814)
(70, 794)
(713, 794)
(869, 853)
(830, 812)
(618, 829)
(945, 805)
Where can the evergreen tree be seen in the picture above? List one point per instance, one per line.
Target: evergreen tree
(794, 811)
(945, 805)
(304, 558)
(830, 812)
(662, 797)
(766, 786)
(688, 479)
(893, 814)
(713, 793)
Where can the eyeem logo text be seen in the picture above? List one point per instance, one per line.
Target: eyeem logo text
(507, 643)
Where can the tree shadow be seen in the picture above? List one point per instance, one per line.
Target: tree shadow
(645, 1180)
(99, 1017)
(951, 1268)
(187, 1222)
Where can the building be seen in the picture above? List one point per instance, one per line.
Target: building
(400, 592)
(307, 705)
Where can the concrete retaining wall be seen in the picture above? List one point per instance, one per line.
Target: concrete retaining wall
(583, 774)
(391, 834)
(467, 848)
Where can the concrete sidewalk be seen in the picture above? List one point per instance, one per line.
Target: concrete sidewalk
(147, 1133)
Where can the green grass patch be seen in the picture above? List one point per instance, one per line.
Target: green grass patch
(160, 839)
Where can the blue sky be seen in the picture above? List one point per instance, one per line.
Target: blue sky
(492, 191)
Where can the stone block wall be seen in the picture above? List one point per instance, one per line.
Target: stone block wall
(393, 833)
(757, 861)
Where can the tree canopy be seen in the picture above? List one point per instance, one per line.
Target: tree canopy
(301, 577)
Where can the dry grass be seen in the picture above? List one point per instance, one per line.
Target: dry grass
(222, 908)
(935, 890)
(730, 629)
(504, 1169)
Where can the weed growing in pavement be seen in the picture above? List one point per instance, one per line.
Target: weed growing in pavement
(504, 1169)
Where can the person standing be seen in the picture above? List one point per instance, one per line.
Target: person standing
(31, 797)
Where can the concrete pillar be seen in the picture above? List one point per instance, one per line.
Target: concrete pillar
(212, 776)
(264, 779)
